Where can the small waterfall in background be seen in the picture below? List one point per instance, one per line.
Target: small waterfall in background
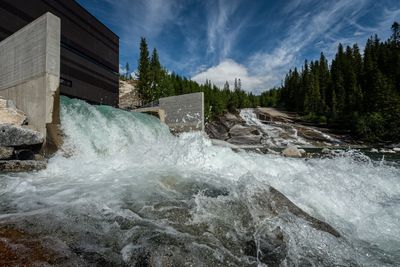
(124, 191)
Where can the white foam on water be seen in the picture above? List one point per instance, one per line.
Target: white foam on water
(120, 168)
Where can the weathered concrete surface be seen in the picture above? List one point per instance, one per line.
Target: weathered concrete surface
(184, 112)
(30, 69)
(154, 111)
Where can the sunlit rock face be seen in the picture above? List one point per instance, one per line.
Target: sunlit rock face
(125, 192)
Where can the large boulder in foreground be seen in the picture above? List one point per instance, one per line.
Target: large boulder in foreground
(13, 135)
(21, 165)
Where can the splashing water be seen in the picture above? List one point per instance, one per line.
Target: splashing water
(281, 134)
(124, 191)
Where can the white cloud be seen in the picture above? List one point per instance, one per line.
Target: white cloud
(321, 30)
(220, 33)
(228, 70)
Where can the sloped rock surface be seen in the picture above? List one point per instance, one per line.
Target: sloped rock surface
(13, 135)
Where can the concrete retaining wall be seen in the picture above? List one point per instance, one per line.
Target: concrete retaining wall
(184, 112)
(30, 70)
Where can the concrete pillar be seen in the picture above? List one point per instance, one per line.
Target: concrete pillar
(30, 70)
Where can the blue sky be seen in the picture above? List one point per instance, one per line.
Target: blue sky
(256, 41)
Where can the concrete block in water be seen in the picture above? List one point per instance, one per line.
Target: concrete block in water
(184, 112)
(30, 69)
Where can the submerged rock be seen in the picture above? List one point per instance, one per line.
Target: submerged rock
(21, 165)
(6, 152)
(13, 135)
(272, 246)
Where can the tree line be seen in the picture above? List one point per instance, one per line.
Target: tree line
(154, 82)
(357, 92)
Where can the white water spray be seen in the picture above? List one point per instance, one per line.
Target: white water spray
(129, 188)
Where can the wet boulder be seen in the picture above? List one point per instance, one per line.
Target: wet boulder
(272, 246)
(13, 135)
(244, 135)
(21, 165)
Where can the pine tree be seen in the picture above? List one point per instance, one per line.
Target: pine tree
(156, 75)
(396, 33)
(226, 86)
(127, 71)
(143, 74)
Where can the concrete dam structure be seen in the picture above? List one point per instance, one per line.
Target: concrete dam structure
(56, 47)
(30, 70)
(89, 54)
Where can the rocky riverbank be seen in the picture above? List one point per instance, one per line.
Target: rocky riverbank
(20, 145)
(268, 130)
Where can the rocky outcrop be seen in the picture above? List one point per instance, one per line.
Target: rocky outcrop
(244, 135)
(232, 128)
(128, 95)
(18, 143)
(13, 135)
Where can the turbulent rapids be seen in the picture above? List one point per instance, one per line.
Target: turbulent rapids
(125, 192)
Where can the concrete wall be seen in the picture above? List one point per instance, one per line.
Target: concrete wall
(30, 70)
(184, 112)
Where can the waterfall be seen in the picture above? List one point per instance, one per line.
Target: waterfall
(123, 190)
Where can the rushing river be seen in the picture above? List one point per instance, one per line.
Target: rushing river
(125, 192)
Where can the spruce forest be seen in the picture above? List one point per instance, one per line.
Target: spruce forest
(358, 92)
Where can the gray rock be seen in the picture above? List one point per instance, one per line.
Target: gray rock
(244, 135)
(245, 140)
(6, 152)
(21, 165)
(217, 130)
(292, 152)
(240, 130)
(272, 246)
(13, 135)
(270, 203)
